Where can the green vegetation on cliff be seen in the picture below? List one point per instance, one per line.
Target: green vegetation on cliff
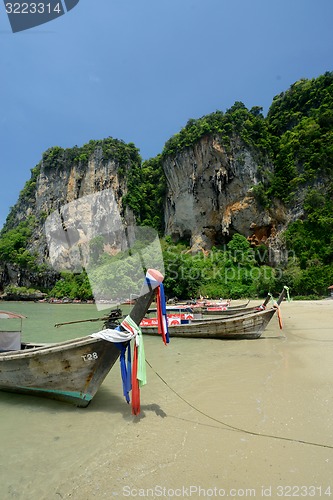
(13, 245)
(300, 121)
(152, 189)
(234, 271)
(124, 155)
(26, 197)
(72, 286)
(238, 121)
(297, 137)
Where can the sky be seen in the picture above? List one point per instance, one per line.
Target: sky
(138, 70)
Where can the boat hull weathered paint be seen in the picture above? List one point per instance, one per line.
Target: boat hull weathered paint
(227, 314)
(240, 326)
(249, 326)
(232, 310)
(222, 310)
(70, 371)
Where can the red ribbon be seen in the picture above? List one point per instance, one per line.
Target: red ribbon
(160, 327)
(162, 331)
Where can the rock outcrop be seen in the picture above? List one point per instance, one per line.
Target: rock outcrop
(210, 195)
(54, 201)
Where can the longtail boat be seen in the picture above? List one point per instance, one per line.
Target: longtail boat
(176, 315)
(225, 308)
(70, 371)
(234, 310)
(215, 310)
(239, 326)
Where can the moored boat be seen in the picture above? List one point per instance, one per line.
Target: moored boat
(226, 309)
(240, 326)
(234, 310)
(177, 315)
(70, 371)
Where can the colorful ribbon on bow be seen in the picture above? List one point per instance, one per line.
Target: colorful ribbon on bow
(138, 375)
(162, 315)
(125, 368)
(161, 308)
(288, 295)
(134, 373)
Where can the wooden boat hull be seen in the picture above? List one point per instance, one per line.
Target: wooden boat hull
(70, 371)
(222, 310)
(229, 312)
(249, 326)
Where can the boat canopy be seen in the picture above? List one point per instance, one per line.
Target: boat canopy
(11, 315)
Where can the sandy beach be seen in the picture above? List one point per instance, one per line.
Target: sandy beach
(237, 419)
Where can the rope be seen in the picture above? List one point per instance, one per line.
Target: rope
(233, 427)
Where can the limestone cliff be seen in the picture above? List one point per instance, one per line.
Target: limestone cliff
(221, 174)
(210, 195)
(57, 187)
(62, 177)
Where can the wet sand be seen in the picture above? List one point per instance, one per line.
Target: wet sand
(249, 418)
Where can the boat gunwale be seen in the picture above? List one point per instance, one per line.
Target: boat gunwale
(237, 317)
(51, 347)
(213, 321)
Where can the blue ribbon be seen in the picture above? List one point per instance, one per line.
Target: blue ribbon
(164, 311)
(125, 369)
(162, 305)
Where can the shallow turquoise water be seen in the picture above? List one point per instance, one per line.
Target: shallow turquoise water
(41, 318)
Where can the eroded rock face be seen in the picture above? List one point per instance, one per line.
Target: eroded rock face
(11, 274)
(74, 183)
(210, 195)
(63, 186)
(57, 187)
